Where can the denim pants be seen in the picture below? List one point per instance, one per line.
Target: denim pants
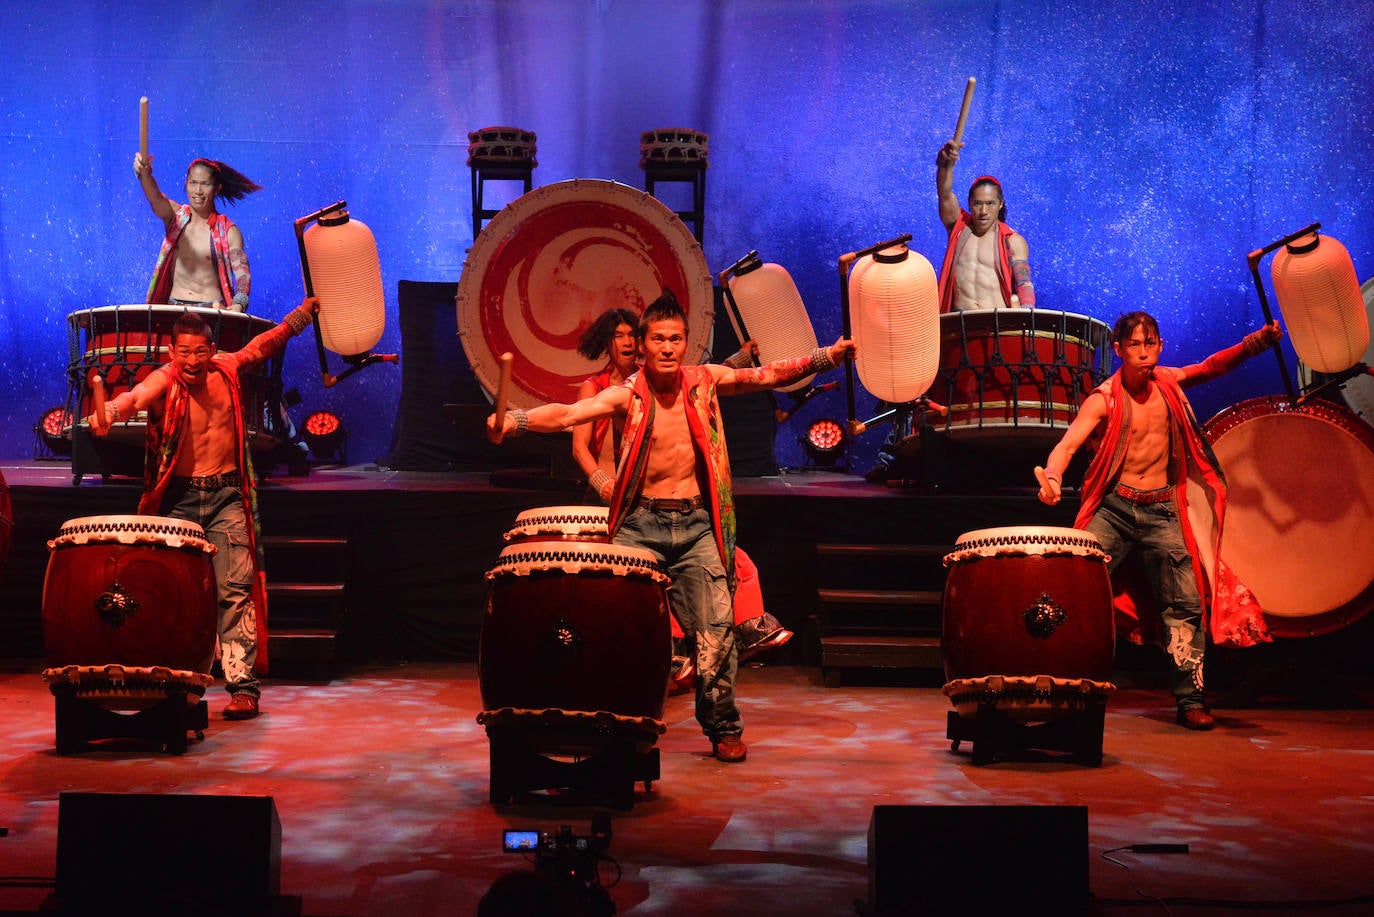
(220, 514)
(1155, 531)
(699, 596)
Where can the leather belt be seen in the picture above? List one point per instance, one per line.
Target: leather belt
(210, 481)
(680, 505)
(1159, 495)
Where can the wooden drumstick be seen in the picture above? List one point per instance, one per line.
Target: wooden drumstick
(99, 420)
(1044, 480)
(963, 110)
(143, 127)
(502, 392)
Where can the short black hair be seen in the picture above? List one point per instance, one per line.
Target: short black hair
(192, 323)
(665, 308)
(1127, 323)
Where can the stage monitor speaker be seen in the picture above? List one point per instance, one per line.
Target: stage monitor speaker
(978, 860)
(141, 853)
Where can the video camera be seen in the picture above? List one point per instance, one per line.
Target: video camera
(564, 853)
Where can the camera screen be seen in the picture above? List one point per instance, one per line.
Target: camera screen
(516, 841)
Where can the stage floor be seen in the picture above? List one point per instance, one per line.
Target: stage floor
(380, 780)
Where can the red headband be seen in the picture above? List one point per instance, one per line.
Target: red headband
(982, 178)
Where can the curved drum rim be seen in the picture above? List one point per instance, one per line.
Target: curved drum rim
(1230, 419)
(643, 226)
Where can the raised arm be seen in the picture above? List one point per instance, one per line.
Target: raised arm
(944, 182)
(1092, 412)
(737, 381)
(162, 207)
(272, 341)
(1223, 361)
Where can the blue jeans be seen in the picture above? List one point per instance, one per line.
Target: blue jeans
(220, 514)
(1155, 531)
(700, 597)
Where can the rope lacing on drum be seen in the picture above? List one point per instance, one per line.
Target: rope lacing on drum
(575, 559)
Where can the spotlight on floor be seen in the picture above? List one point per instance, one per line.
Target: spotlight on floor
(824, 442)
(326, 437)
(49, 439)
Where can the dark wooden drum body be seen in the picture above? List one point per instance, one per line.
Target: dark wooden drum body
(576, 627)
(135, 591)
(1027, 620)
(1004, 370)
(561, 523)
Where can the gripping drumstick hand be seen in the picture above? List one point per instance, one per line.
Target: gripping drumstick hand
(502, 393)
(100, 421)
(1049, 487)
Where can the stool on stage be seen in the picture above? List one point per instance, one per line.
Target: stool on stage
(498, 154)
(129, 630)
(573, 667)
(1028, 639)
(677, 154)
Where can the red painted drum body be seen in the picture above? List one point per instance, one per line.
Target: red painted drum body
(134, 591)
(1027, 604)
(561, 523)
(1008, 370)
(576, 627)
(1299, 510)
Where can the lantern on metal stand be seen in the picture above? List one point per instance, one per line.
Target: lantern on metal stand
(340, 268)
(891, 305)
(1322, 304)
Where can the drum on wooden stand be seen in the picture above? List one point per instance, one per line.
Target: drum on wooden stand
(1028, 638)
(129, 623)
(1017, 373)
(573, 667)
(1299, 510)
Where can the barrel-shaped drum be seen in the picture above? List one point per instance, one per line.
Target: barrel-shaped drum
(1028, 601)
(134, 591)
(560, 523)
(1009, 370)
(576, 626)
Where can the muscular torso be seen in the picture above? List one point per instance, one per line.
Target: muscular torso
(976, 284)
(208, 441)
(1146, 466)
(194, 276)
(671, 469)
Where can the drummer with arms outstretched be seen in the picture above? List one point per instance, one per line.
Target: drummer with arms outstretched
(198, 468)
(202, 261)
(986, 263)
(672, 494)
(1135, 500)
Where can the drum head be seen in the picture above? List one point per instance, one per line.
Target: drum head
(554, 260)
(1300, 507)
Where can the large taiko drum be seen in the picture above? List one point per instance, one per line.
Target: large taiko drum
(1010, 372)
(576, 627)
(554, 260)
(130, 592)
(561, 523)
(125, 343)
(1027, 621)
(1299, 510)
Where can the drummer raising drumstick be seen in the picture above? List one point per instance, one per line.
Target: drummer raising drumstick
(986, 262)
(1135, 500)
(202, 261)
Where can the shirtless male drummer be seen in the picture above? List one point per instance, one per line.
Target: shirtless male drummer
(202, 261)
(986, 262)
(672, 494)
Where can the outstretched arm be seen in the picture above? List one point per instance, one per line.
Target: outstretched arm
(732, 381)
(1223, 361)
(555, 418)
(1092, 412)
(128, 403)
(272, 341)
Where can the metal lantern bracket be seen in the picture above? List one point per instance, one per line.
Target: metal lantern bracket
(357, 361)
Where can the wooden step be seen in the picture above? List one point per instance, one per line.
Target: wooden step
(908, 551)
(855, 651)
(908, 598)
(311, 592)
(302, 541)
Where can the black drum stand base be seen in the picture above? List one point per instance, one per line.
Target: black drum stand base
(995, 736)
(165, 723)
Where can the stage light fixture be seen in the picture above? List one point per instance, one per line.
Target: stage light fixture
(824, 442)
(49, 433)
(326, 437)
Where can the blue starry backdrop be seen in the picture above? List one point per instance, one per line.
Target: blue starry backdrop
(1145, 149)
